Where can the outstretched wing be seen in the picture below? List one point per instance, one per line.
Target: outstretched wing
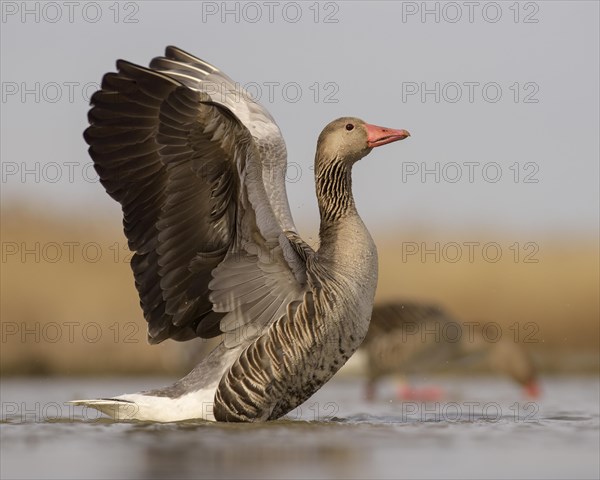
(191, 177)
(201, 76)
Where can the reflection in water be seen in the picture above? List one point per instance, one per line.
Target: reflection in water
(247, 451)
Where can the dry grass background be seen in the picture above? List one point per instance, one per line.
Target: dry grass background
(75, 314)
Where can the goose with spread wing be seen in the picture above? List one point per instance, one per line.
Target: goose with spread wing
(199, 170)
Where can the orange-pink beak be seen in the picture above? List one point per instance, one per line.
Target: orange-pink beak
(377, 136)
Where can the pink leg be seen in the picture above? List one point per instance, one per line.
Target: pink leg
(532, 390)
(370, 390)
(423, 394)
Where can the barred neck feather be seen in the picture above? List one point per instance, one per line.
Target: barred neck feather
(334, 190)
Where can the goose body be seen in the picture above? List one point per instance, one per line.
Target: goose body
(199, 171)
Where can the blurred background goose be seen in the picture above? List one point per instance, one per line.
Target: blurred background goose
(407, 337)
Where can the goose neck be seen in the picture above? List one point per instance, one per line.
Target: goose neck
(334, 191)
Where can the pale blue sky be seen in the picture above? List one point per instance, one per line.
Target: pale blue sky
(375, 61)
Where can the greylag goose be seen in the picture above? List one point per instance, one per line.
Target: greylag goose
(407, 337)
(198, 168)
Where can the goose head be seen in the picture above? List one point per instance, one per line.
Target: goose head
(513, 360)
(348, 139)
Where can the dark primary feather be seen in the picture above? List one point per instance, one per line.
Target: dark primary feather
(200, 181)
(154, 147)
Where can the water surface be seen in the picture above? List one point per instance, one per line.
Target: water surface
(482, 428)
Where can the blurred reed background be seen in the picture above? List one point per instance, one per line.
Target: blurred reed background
(69, 305)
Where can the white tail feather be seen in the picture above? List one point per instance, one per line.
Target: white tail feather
(196, 405)
(117, 409)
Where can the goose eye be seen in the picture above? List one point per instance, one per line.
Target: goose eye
(349, 127)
